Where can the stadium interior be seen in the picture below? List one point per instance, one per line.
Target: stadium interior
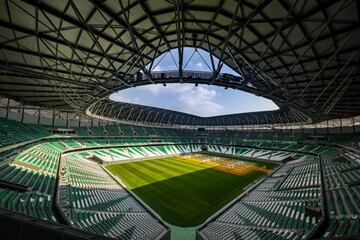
(74, 164)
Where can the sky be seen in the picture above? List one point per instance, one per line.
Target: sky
(203, 100)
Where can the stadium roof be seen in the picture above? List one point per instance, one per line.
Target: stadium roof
(71, 55)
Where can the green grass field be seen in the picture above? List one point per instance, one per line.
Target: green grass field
(183, 193)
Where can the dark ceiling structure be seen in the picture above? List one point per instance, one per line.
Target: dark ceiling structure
(71, 55)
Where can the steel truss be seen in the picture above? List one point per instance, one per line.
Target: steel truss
(303, 55)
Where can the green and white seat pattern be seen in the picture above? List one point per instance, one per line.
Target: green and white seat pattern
(218, 230)
(141, 152)
(289, 195)
(251, 153)
(13, 132)
(343, 199)
(302, 176)
(353, 156)
(73, 144)
(269, 212)
(98, 203)
(119, 225)
(92, 200)
(35, 168)
(274, 214)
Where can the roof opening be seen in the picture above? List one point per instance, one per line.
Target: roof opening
(197, 99)
(201, 100)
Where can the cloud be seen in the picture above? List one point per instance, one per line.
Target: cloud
(120, 98)
(187, 98)
(199, 66)
(169, 89)
(200, 101)
(158, 68)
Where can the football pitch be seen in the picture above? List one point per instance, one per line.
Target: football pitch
(185, 191)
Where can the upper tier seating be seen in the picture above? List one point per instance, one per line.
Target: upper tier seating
(132, 131)
(13, 132)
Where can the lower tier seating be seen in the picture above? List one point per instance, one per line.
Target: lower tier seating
(133, 153)
(35, 170)
(216, 230)
(262, 154)
(342, 187)
(281, 207)
(271, 211)
(93, 201)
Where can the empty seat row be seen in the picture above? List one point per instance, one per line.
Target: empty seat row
(93, 201)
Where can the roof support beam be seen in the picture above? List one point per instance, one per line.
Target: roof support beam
(53, 11)
(134, 42)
